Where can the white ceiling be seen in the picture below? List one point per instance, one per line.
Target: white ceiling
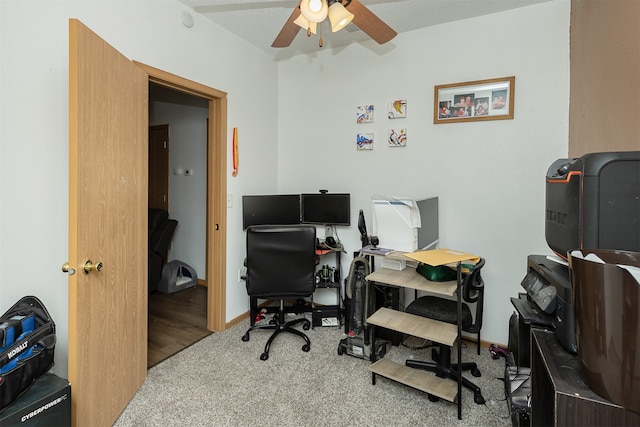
(260, 21)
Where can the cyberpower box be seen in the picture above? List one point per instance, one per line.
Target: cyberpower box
(594, 202)
(46, 403)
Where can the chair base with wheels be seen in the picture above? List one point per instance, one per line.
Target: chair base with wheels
(444, 369)
(279, 325)
(446, 310)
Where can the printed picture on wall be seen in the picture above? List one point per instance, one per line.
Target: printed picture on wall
(482, 106)
(498, 99)
(398, 109)
(397, 138)
(364, 141)
(364, 114)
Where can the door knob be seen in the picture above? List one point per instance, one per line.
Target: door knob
(88, 266)
(66, 268)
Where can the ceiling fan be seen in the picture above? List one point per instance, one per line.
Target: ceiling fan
(308, 13)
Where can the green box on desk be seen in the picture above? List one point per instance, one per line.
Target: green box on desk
(46, 403)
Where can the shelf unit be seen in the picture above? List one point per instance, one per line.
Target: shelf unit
(418, 326)
(322, 312)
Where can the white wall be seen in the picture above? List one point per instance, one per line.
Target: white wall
(187, 193)
(34, 128)
(489, 176)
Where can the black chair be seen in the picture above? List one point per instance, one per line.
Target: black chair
(161, 229)
(281, 265)
(445, 310)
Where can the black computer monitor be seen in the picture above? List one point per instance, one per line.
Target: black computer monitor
(274, 209)
(326, 208)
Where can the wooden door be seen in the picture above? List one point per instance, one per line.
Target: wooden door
(159, 167)
(108, 178)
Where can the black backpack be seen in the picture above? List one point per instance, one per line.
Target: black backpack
(27, 344)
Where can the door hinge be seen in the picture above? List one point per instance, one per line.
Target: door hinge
(164, 144)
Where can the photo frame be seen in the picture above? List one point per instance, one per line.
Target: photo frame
(490, 99)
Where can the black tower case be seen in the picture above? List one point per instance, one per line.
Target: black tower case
(594, 202)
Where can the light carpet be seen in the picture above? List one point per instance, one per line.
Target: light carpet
(221, 381)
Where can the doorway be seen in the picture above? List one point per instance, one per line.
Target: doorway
(216, 187)
(158, 163)
(177, 173)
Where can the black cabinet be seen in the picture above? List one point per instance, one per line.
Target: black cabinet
(46, 403)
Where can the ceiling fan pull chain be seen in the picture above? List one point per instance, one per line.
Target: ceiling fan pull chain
(320, 34)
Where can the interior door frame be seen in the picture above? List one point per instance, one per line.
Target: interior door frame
(216, 239)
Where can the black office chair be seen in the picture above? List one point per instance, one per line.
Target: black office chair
(161, 230)
(445, 310)
(281, 265)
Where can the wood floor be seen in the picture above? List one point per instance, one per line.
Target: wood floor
(175, 322)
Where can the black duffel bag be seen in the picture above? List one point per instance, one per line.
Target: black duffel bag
(27, 344)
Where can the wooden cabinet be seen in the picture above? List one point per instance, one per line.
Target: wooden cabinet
(559, 393)
(433, 330)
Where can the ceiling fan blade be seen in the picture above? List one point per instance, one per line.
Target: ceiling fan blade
(289, 31)
(368, 22)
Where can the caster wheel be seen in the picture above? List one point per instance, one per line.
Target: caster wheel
(264, 356)
(433, 398)
(245, 337)
(476, 372)
(340, 350)
(306, 326)
(477, 397)
(306, 348)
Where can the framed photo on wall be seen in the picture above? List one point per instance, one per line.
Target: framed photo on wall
(490, 99)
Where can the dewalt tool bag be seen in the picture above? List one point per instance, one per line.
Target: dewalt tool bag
(27, 344)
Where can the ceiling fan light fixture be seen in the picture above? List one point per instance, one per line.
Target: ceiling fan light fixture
(339, 16)
(305, 24)
(314, 10)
